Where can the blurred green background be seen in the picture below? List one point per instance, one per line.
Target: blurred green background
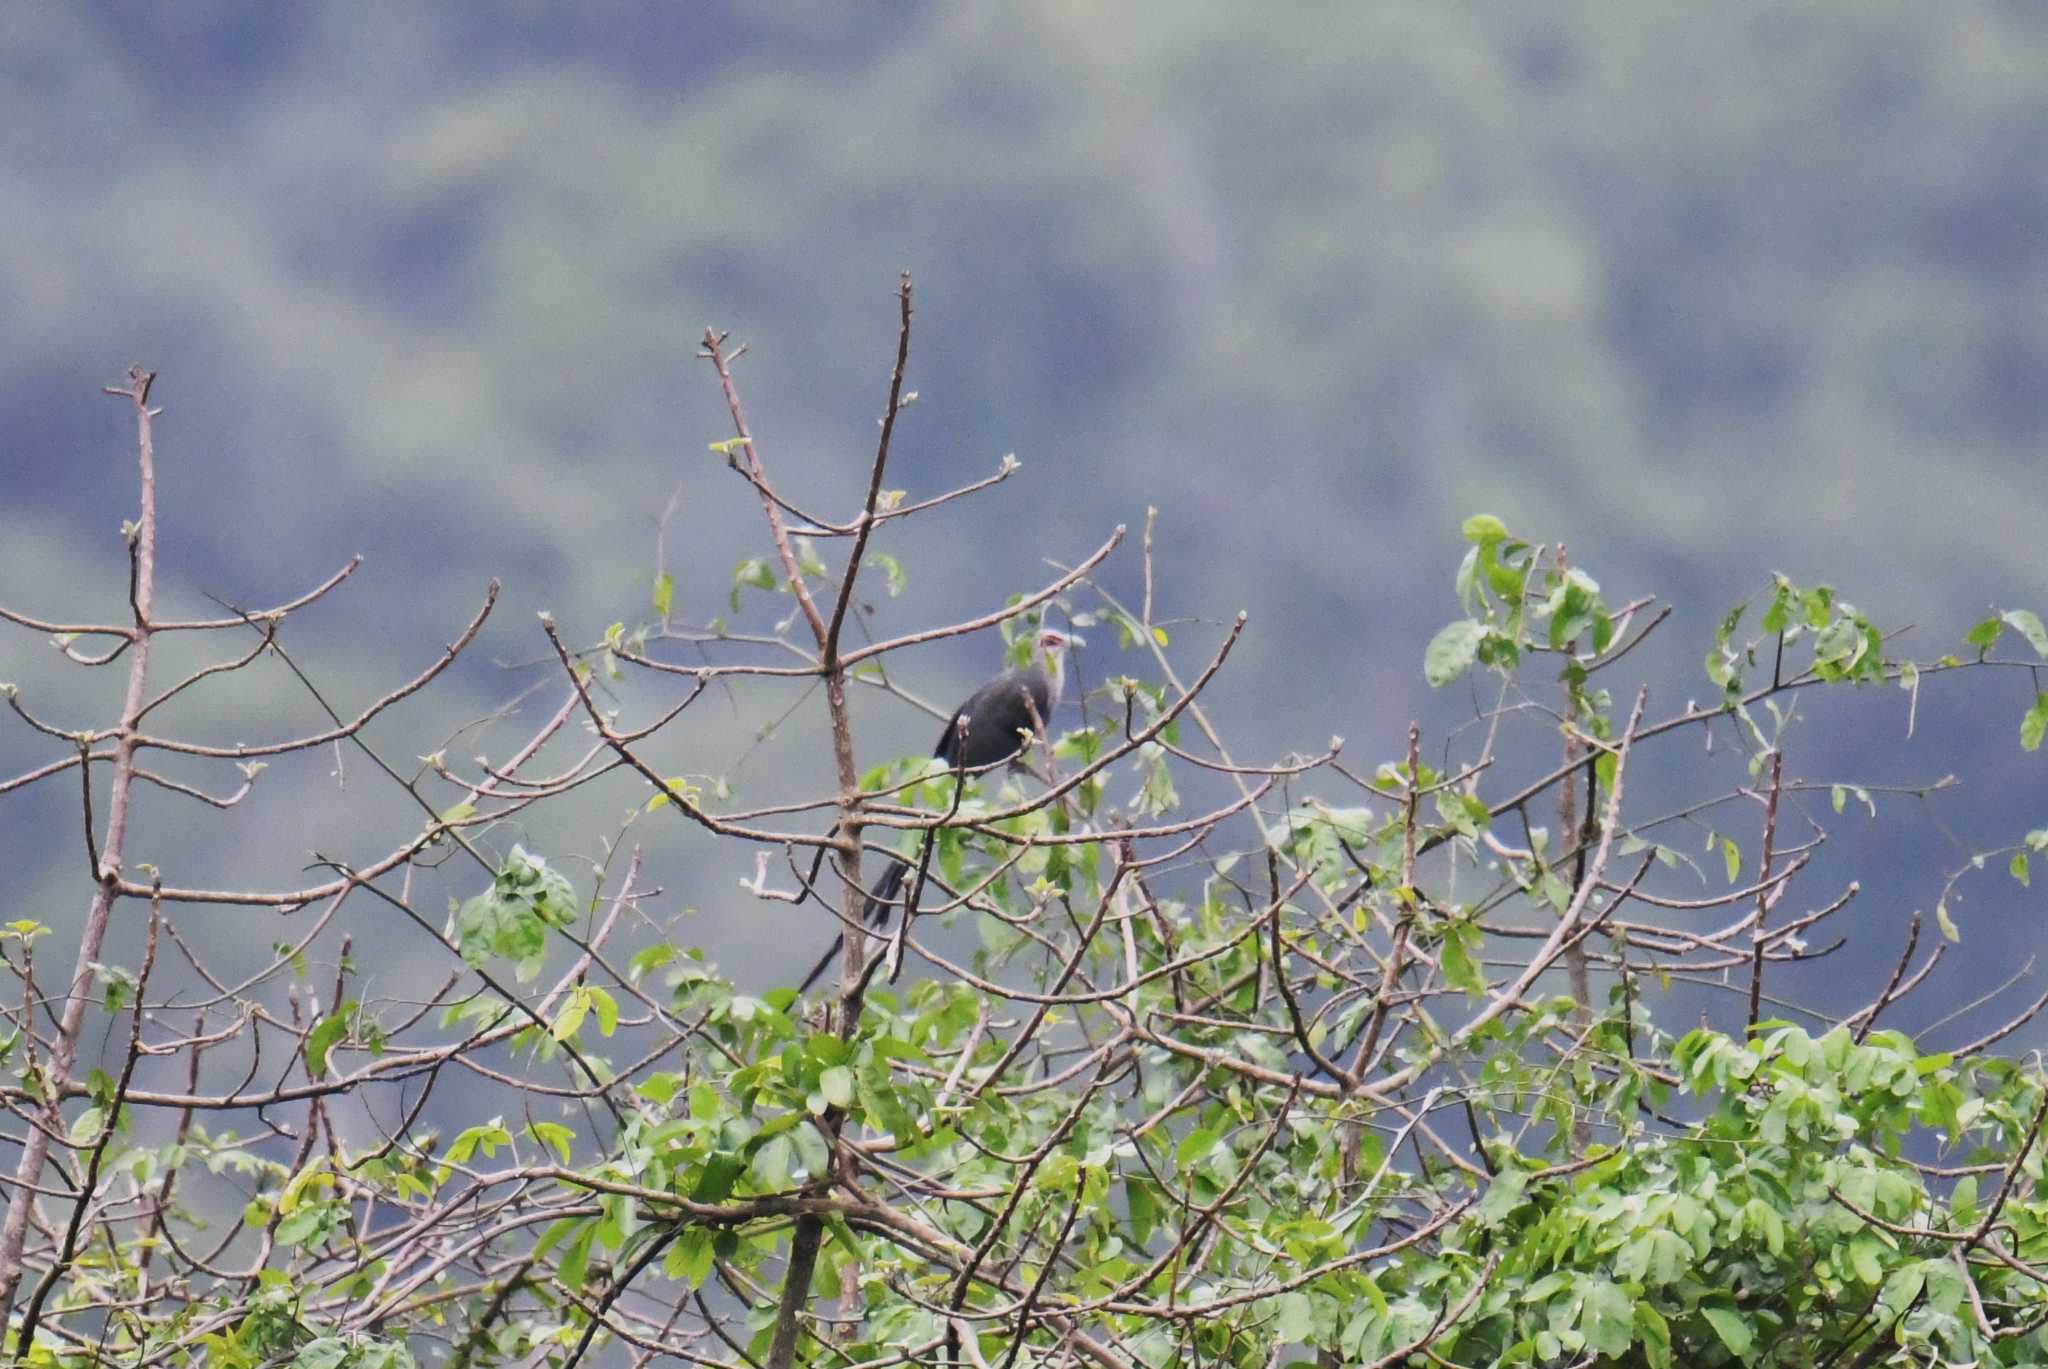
(1704, 291)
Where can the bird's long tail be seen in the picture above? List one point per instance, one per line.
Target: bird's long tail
(881, 899)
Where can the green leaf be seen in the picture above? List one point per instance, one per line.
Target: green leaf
(1776, 617)
(664, 595)
(1946, 1285)
(1945, 922)
(808, 561)
(1373, 1294)
(1608, 1318)
(571, 1016)
(327, 1352)
(576, 1259)
(892, 570)
(1575, 610)
(1452, 651)
(302, 1225)
(649, 958)
(86, 1129)
(554, 1235)
(489, 1136)
(1503, 576)
(771, 1164)
(2019, 868)
(1731, 1328)
(677, 787)
(2035, 725)
(1296, 1319)
(1984, 635)
(1459, 970)
(511, 918)
(1962, 1201)
(2029, 626)
(752, 571)
(554, 1136)
(1731, 856)
(689, 1259)
(1655, 1335)
(836, 1084)
(1143, 1208)
(1197, 1144)
(325, 1034)
(1902, 1289)
(607, 1009)
(1837, 644)
(720, 1173)
(1483, 528)
(315, 1176)
(1503, 1196)
(1470, 597)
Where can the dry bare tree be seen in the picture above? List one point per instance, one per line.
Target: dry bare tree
(1373, 1062)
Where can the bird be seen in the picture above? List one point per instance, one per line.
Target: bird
(988, 729)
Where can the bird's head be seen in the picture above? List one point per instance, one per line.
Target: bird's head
(1050, 655)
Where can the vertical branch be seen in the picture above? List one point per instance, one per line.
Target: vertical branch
(35, 1150)
(853, 945)
(1578, 971)
(1766, 895)
(867, 516)
(1151, 520)
(1568, 824)
(1397, 954)
(90, 1187)
(161, 1205)
(809, 1232)
(714, 350)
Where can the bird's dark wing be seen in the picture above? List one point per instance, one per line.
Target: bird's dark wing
(997, 717)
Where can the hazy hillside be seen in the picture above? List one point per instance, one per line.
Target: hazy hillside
(1699, 290)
